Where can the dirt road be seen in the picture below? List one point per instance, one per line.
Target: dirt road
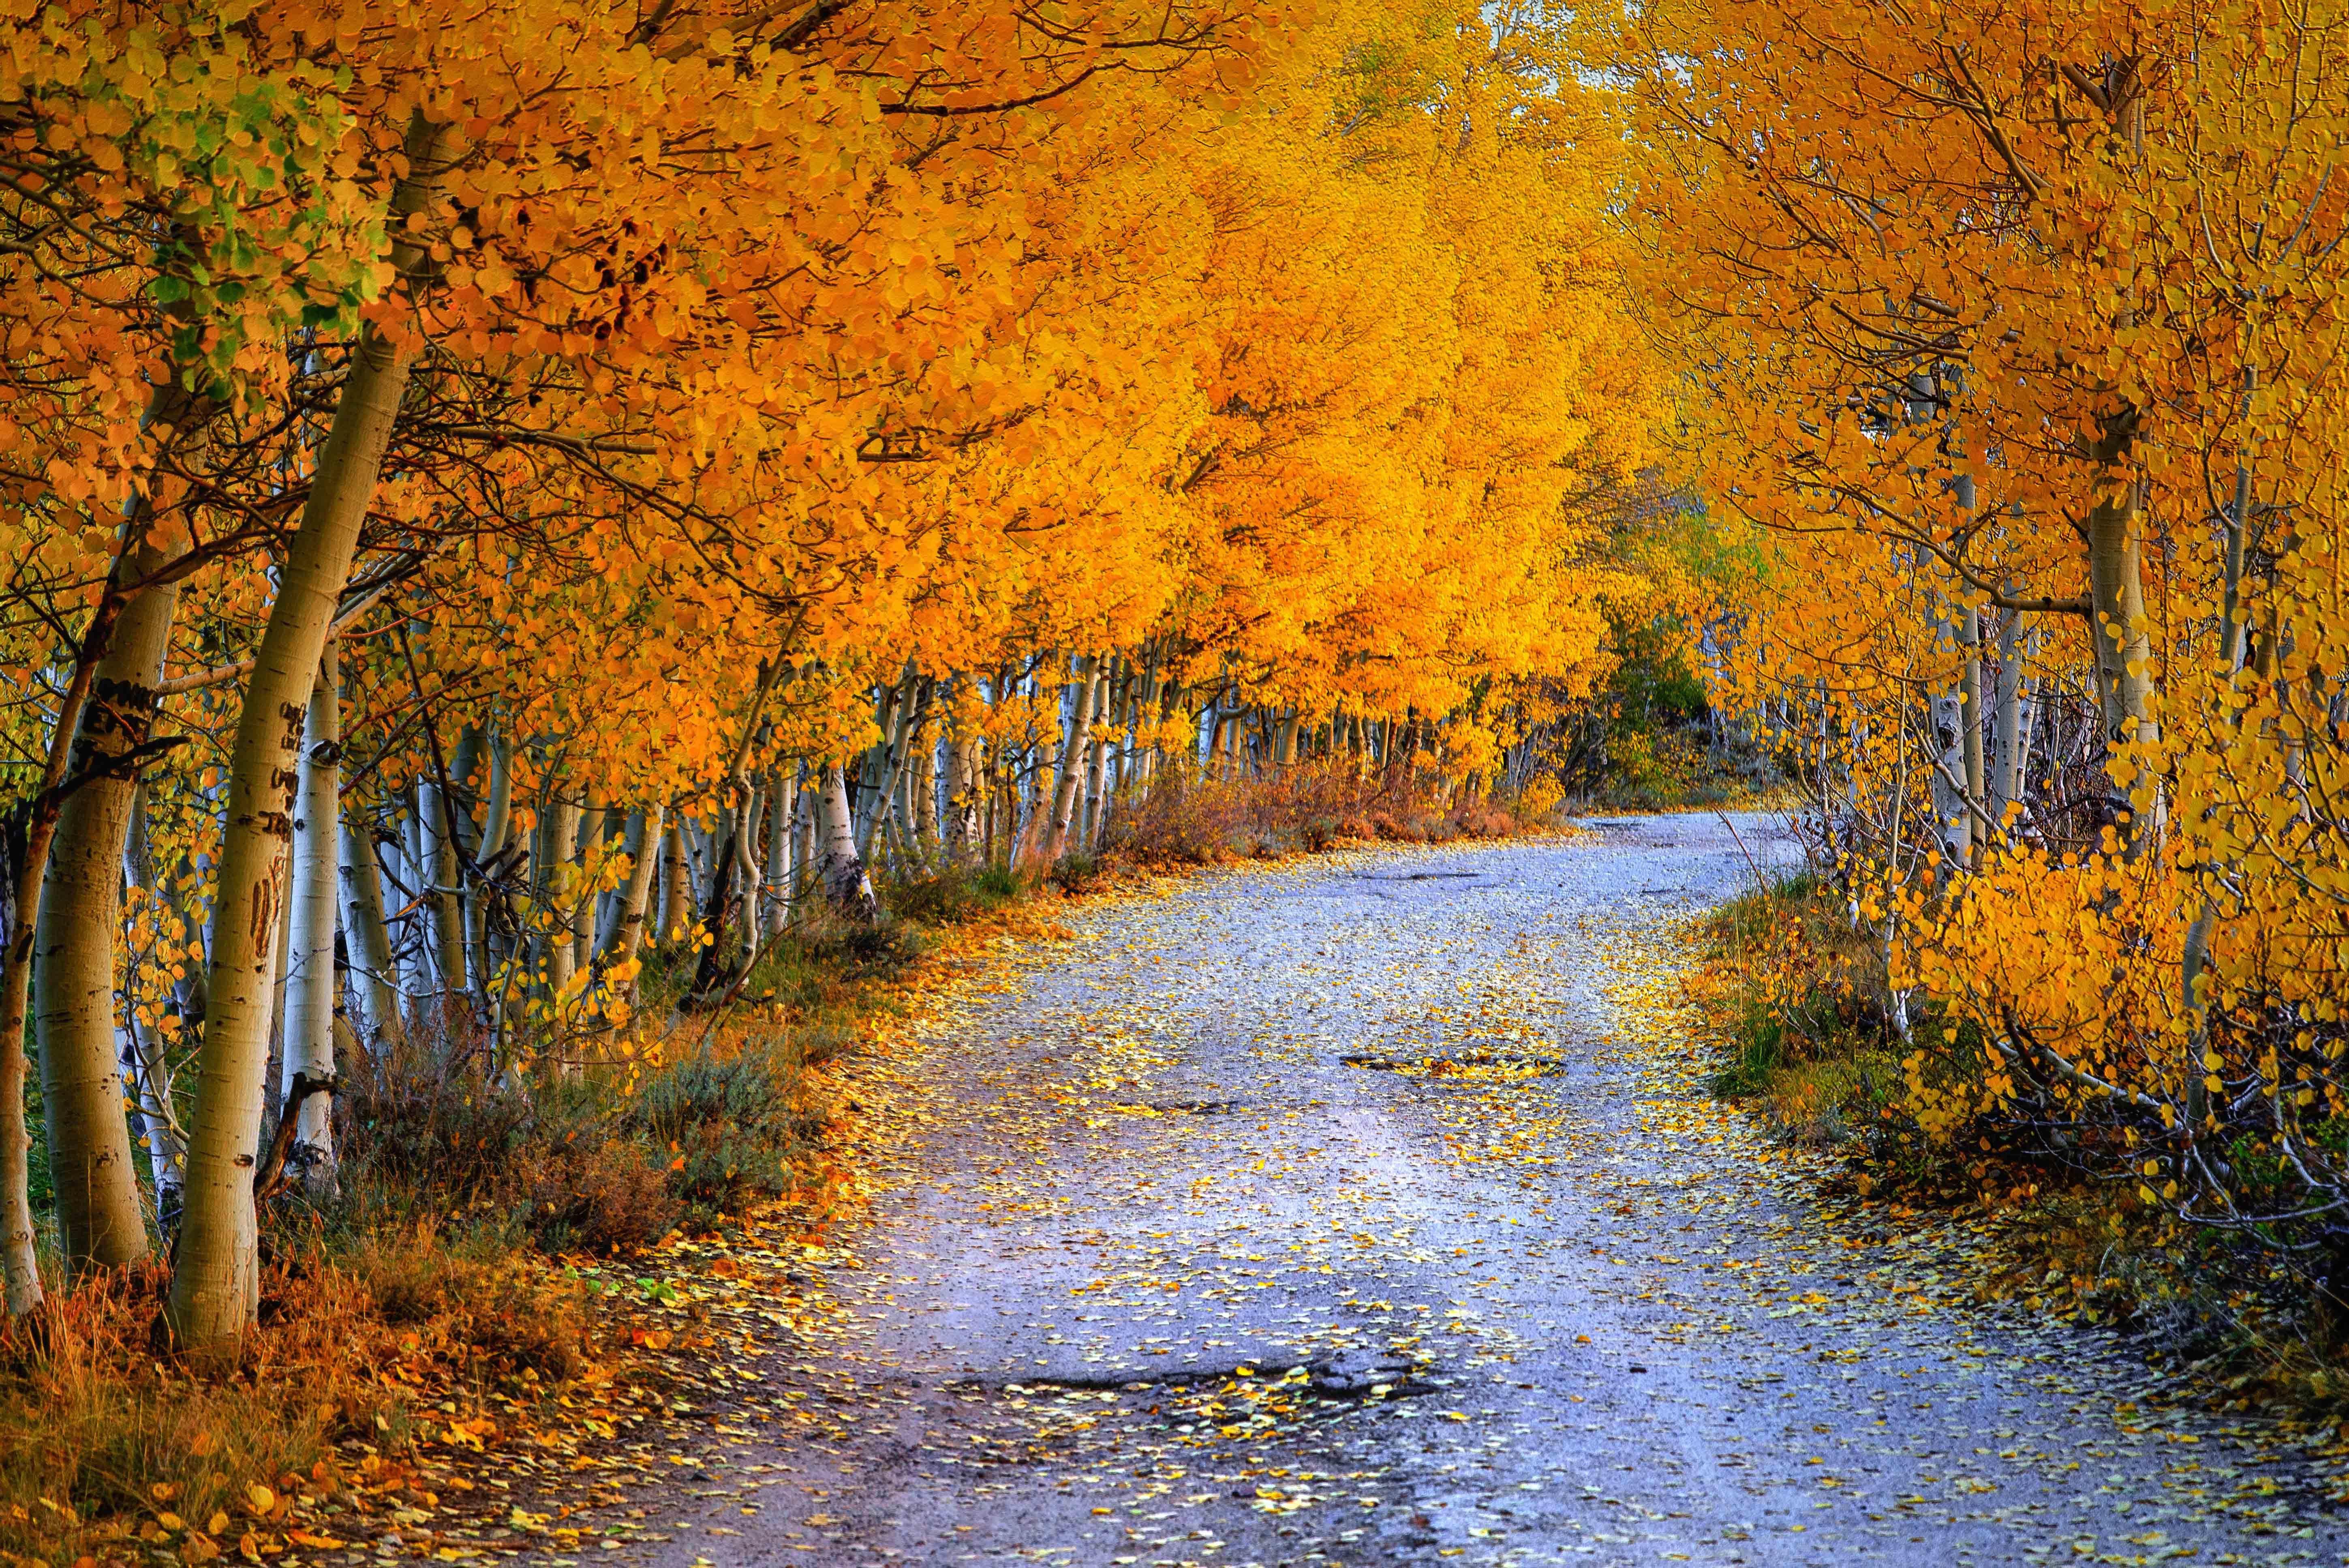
(1186, 1260)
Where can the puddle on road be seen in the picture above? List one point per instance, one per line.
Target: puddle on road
(1481, 1067)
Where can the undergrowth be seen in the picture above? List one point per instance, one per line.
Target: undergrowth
(1815, 1047)
(1306, 808)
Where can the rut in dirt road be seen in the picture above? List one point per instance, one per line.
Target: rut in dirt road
(1191, 1258)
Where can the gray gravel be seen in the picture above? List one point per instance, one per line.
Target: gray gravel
(1160, 1277)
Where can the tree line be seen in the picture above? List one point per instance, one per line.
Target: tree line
(490, 492)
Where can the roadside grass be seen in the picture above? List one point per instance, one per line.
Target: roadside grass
(1803, 1004)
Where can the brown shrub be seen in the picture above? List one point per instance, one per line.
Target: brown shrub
(597, 1194)
(1186, 819)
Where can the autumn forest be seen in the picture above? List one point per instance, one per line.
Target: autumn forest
(575, 574)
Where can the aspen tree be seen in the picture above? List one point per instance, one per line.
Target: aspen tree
(1074, 740)
(368, 936)
(311, 983)
(839, 868)
(215, 1282)
(100, 1221)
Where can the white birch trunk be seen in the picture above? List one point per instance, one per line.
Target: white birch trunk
(775, 909)
(676, 884)
(368, 936)
(964, 787)
(558, 876)
(215, 1282)
(2008, 705)
(1069, 766)
(100, 1221)
(310, 983)
(584, 899)
(627, 936)
(840, 869)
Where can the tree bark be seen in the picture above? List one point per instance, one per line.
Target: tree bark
(2124, 649)
(676, 889)
(783, 820)
(1069, 767)
(310, 982)
(558, 877)
(368, 935)
(2013, 748)
(99, 1223)
(215, 1282)
(840, 870)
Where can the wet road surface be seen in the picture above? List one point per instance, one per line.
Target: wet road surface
(1185, 1256)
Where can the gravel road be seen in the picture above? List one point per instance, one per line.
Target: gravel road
(1183, 1256)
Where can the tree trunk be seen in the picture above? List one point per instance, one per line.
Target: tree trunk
(782, 821)
(2124, 650)
(558, 880)
(215, 1282)
(310, 982)
(840, 870)
(589, 877)
(2008, 707)
(1095, 745)
(804, 838)
(676, 885)
(1069, 767)
(643, 842)
(99, 1223)
(922, 781)
(962, 829)
(497, 824)
(368, 936)
(145, 1071)
(444, 905)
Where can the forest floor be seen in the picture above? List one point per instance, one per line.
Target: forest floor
(1179, 1252)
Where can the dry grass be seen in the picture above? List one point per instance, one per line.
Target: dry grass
(105, 1440)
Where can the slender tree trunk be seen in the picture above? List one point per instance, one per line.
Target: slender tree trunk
(1096, 745)
(923, 783)
(1070, 763)
(677, 888)
(558, 888)
(444, 906)
(841, 869)
(368, 936)
(99, 1223)
(497, 824)
(804, 837)
(876, 771)
(583, 901)
(962, 829)
(310, 984)
(642, 842)
(215, 1282)
(783, 824)
(2013, 742)
(2124, 649)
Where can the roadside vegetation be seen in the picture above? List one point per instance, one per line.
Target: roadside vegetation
(476, 1265)
(1822, 1047)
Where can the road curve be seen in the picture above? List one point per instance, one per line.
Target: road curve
(1184, 1258)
